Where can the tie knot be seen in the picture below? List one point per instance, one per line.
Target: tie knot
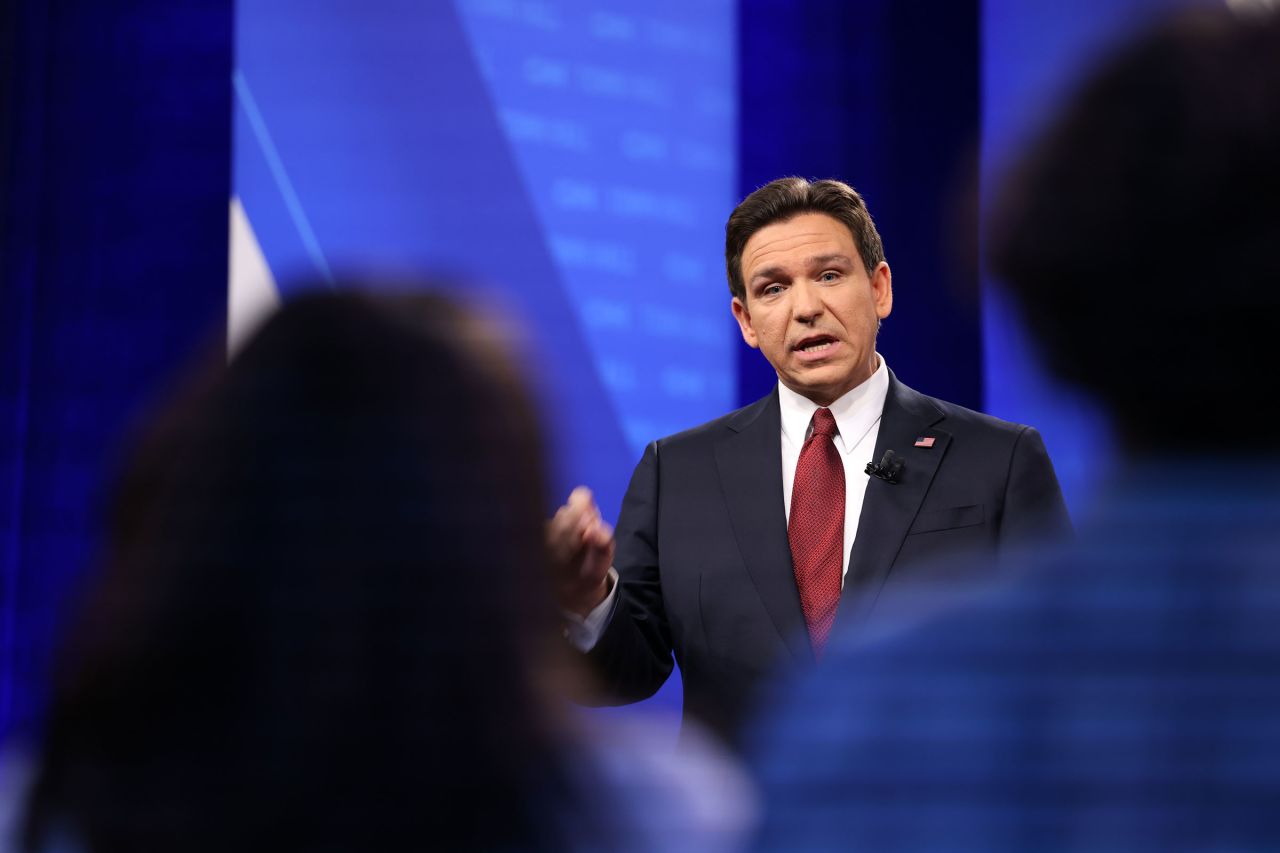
(824, 423)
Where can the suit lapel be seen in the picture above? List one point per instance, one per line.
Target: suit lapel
(889, 508)
(749, 460)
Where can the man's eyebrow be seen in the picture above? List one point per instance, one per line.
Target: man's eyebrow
(768, 273)
(822, 260)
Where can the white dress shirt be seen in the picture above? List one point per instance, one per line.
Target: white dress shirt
(857, 416)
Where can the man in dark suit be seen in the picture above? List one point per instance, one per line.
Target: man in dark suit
(741, 542)
(1118, 692)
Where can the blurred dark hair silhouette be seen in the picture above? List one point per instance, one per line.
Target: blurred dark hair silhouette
(1140, 236)
(323, 621)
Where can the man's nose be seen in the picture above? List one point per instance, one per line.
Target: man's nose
(806, 303)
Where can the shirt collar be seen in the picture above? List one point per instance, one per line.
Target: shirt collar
(855, 412)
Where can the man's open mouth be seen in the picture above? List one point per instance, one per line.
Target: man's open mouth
(816, 344)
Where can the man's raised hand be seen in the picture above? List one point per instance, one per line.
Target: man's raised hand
(581, 546)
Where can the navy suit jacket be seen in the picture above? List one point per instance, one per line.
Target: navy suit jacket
(705, 563)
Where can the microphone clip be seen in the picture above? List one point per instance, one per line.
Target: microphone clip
(888, 468)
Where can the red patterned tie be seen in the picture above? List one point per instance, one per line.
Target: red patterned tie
(816, 528)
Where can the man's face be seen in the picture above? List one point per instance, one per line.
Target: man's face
(811, 308)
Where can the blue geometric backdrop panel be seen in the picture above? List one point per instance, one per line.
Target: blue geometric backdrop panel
(622, 125)
(575, 161)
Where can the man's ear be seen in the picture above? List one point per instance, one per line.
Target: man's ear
(743, 316)
(882, 289)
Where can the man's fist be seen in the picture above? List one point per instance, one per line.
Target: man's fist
(581, 546)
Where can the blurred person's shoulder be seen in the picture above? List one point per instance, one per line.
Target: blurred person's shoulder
(688, 793)
(1072, 676)
(18, 771)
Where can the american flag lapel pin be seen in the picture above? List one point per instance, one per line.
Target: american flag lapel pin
(925, 441)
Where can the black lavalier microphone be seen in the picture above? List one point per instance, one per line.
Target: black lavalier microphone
(889, 468)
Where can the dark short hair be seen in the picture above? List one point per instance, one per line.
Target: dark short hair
(1140, 234)
(785, 198)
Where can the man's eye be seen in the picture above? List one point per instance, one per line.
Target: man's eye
(829, 275)
(771, 290)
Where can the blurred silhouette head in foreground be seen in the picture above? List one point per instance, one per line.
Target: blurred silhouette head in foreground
(1140, 235)
(323, 620)
(1118, 692)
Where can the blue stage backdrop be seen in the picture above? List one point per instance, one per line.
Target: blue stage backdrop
(573, 165)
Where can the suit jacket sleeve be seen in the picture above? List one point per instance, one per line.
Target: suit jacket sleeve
(1033, 503)
(633, 658)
